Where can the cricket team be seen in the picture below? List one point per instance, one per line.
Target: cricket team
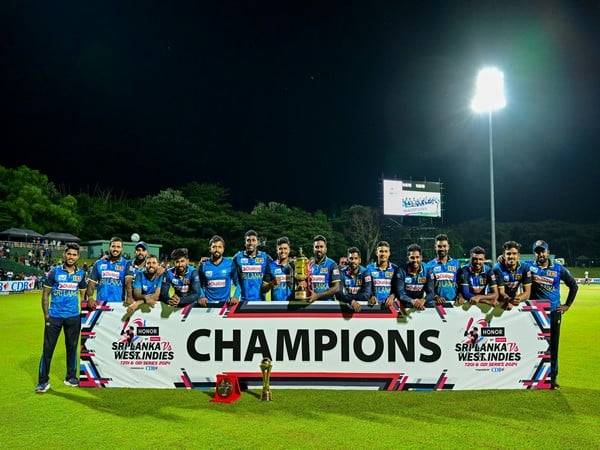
(251, 273)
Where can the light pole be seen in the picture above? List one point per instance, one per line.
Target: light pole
(489, 97)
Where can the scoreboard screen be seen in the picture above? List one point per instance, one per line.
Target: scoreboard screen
(412, 198)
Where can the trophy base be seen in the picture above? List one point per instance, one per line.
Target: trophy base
(266, 396)
(301, 295)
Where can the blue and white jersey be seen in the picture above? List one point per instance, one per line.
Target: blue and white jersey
(110, 276)
(284, 289)
(382, 280)
(64, 294)
(413, 286)
(187, 286)
(322, 275)
(146, 285)
(216, 279)
(250, 272)
(545, 282)
(512, 280)
(355, 286)
(444, 277)
(476, 283)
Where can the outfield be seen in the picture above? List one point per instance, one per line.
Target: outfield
(109, 418)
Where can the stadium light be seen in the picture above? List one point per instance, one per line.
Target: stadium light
(489, 97)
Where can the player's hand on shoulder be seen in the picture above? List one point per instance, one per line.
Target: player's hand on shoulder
(355, 306)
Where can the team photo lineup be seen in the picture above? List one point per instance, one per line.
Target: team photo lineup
(251, 273)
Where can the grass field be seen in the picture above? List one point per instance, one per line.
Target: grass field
(141, 418)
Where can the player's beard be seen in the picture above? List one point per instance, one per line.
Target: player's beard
(442, 254)
(216, 255)
(139, 258)
(541, 260)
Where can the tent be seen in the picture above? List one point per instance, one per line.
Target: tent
(19, 233)
(63, 237)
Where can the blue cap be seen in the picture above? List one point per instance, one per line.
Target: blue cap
(141, 244)
(540, 244)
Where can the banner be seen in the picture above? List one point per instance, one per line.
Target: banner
(16, 286)
(320, 345)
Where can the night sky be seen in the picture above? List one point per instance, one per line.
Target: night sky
(307, 104)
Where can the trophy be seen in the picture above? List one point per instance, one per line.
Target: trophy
(265, 367)
(301, 277)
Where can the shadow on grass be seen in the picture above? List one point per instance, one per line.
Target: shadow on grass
(435, 408)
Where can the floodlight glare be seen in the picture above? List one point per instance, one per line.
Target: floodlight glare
(489, 91)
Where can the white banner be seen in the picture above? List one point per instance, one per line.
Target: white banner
(322, 345)
(16, 286)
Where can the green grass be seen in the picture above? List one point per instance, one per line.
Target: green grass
(142, 418)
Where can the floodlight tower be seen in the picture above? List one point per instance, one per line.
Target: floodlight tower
(489, 97)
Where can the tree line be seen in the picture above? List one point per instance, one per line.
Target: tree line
(189, 215)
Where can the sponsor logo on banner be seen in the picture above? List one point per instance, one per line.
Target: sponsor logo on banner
(16, 286)
(140, 347)
(486, 348)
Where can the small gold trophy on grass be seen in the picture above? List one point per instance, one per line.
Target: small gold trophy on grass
(301, 277)
(265, 367)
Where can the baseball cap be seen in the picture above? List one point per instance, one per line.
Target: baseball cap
(540, 244)
(141, 244)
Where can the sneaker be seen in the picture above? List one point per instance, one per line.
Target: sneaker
(555, 386)
(42, 387)
(73, 382)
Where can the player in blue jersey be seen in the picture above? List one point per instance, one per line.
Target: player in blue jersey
(63, 287)
(443, 271)
(545, 285)
(147, 284)
(477, 282)
(279, 277)
(413, 286)
(184, 280)
(324, 275)
(251, 265)
(107, 276)
(512, 277)
(217, 274)
(355, 281)
(137, 264)
(382, 275)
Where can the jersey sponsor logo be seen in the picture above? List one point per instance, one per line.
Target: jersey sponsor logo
(533, 269)
(318, 279)
(452, 268)
(111, 274)
(422, 280)
(244, 260)
(336, 272)
(103, 266)
(413, 287)
(217, 283)
(278, 270)
(367, 278)
(119, 267)
(61, 278)
(224, 272)
(477, 289)
(551, 273)
(407, 279)
(67, 286)
(258, 260)
(354, 290)
(281, 278)
(77, 278)
(184, 289)
(389, 274)
(444, 276)
(543, 280)
(437, 269)
(208, 273)
(382, 282)
(324, 270)
(251, 268)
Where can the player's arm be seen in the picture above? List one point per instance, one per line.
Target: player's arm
(203, 299)
(526, 284)
(164, 290)
(269, 280)
(571, 283)
(129, 277)
(92, 280)
(46, 290)
(464, 291)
